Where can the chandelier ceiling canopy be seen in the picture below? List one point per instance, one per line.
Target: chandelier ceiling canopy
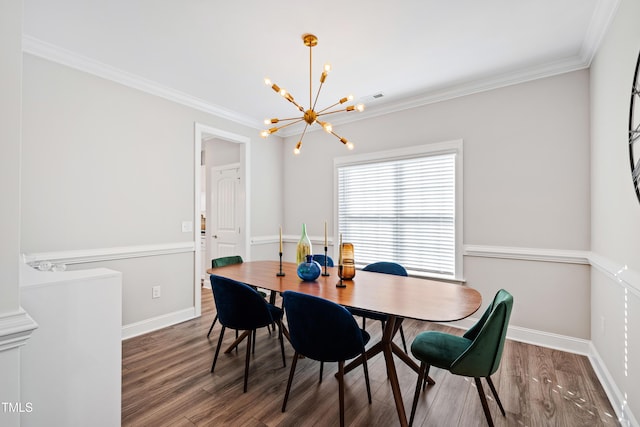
(310, 115)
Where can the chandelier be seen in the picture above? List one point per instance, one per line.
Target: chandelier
(310, 116)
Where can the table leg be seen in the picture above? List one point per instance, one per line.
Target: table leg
(387, 349)
(238, 340)
(372, 351)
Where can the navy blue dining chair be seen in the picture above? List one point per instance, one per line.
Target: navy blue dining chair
(319, 258)
(222, 262)
(386, 268)
(324, 331)
(242, 308)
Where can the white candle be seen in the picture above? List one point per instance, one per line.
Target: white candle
(325, 233)
(280, 239)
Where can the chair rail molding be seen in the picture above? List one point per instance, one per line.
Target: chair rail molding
(15, 329)
(82, 256)
(528, 254)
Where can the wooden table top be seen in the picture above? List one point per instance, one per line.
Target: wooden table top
(409, 297)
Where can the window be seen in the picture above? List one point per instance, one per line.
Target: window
(404, 206)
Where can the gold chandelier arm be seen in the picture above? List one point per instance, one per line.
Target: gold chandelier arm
(276, 120)
(359, 107)
(291, 123)
(345, 141)
(335, 111)
(299, 144)
(313, 107)
(341, 101)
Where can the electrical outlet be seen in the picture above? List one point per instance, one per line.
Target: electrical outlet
(155, 292)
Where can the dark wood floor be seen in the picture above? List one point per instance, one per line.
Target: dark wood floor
(166, 382)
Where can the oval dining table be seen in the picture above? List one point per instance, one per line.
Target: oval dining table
(398, 297)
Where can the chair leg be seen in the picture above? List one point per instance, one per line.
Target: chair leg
(421, 374)
(280, 337)
(321, 369)
(253, 349)
(293, 370)
(246, 361)
(404, 342)
(495, 394)
(483, 399)
(215, 358)
(366, 374)
(215, 319)
(364, 323)
(341, 390)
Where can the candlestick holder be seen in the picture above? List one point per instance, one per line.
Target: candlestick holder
(325, 273)
(280, 273)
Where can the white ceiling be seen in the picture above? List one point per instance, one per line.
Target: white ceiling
(214, 55)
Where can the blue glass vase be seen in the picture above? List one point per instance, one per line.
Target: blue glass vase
(309, 270)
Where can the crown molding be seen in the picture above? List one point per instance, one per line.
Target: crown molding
(42, 49)
(602, 16)
(600, 21)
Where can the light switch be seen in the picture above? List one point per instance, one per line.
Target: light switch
(187, 226)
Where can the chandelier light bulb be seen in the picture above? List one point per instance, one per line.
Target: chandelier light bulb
(264, 133)
(360, 107)
(327, 126)
(267, 81)
(283, 92)
(350, 97)
(266, 122)
(297, 149)
(350, 145)
(327, 67)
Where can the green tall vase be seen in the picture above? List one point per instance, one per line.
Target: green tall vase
(304, 246)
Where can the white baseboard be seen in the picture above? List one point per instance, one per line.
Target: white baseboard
(149, 325)
(539, 338)
(617, 399)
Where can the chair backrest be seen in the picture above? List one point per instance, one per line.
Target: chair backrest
(387, 268)
(319, 258)
(488, 335)
(320, 329)
(239, 306)
(226, 260)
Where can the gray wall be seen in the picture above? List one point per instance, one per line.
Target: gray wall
(107, 166)
(526, 185)
(615, 300)
(10, 110)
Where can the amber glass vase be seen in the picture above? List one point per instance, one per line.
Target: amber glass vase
(347, 266)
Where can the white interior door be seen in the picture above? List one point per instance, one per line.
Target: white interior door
(225, 233)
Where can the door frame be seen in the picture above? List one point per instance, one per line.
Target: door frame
(200, 131)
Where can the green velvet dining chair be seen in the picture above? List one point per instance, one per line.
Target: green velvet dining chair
(475, 354)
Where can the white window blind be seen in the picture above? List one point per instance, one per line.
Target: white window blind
(402, 211)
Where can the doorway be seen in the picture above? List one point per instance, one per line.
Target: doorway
(213, 146)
